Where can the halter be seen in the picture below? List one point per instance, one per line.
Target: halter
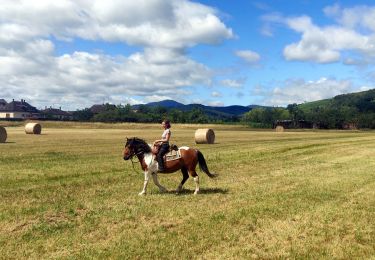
(135, 154)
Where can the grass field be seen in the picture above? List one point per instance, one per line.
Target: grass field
(69, 194)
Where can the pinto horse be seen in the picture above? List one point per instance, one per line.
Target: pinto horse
(187, 163)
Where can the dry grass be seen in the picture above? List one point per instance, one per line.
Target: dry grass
(68, 194)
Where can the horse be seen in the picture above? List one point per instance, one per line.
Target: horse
(186, 163)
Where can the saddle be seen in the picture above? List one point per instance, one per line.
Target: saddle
(172, 154)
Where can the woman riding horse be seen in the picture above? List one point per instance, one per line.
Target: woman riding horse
(186, 163)
(163, 144)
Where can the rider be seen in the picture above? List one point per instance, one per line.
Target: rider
(164, 144)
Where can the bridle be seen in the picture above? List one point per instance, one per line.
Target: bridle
(135, 153)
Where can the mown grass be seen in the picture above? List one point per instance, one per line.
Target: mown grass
(68, 194)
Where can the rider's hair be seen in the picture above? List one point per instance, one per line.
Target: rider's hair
(167, 123)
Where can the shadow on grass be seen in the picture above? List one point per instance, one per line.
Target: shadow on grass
(201, 191)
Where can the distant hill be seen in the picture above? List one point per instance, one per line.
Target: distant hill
(166, 104)
(353, 110)
(311, 105)
(364, 101)
(226, 111)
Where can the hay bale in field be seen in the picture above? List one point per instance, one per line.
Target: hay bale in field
(204, 136)
(33, 128)
(279, 128)
(3, 134)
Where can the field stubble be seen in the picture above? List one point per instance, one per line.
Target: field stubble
(68, 193)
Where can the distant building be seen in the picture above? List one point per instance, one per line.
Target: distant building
(2, 102)
(287, 124)
(18, 110)
(55, 114)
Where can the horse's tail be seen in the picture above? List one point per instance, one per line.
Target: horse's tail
(203, 165)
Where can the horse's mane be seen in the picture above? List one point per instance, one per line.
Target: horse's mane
(140, 145)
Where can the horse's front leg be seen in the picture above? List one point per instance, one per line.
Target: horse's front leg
(147, 178)
(156, 181)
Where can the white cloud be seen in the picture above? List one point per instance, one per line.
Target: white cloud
(365, 88)
(156, 23)
(299, 91)
(248, 56)
(354, 32)
(269, 22)
(233, 83)
(215, 103)
(164, 29)
(83, 78)
(356, 17)
(215, 94)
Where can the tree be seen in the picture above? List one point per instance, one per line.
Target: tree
(265, 117)
(196, 115)
(295, 112)
(83, 115)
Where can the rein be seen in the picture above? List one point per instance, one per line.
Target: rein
(131, 159)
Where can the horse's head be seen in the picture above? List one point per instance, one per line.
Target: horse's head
(135, 146)
(129, 151)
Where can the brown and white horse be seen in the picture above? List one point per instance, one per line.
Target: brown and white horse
(187, 163)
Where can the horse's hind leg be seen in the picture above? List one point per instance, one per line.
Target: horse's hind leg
(156, 181)
(185, 176)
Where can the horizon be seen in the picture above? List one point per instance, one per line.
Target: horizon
(47, 107)
(185, 104)
(74, 53)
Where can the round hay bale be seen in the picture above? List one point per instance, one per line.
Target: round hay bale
(204, 136)
(33, 128)
(279, 128)
(3, 134)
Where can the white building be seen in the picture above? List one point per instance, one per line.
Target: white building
(18, 110)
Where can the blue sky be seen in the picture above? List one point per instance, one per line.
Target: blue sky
(77, 53)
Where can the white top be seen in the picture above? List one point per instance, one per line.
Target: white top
(166, 131)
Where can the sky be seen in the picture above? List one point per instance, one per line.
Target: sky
(76, 53)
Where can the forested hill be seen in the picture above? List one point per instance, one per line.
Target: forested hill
(355, 108)
(156, 111)
(349, 111)
(361, 101)
(235, 110)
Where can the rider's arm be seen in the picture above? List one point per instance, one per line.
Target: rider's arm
(166, 139)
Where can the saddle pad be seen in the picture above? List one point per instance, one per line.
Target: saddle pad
(173, 155)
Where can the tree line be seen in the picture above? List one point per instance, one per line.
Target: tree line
(355, 110)
(147, 114)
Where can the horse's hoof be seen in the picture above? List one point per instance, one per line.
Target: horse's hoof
(163, 190)
(142, 193)
(196, 192)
